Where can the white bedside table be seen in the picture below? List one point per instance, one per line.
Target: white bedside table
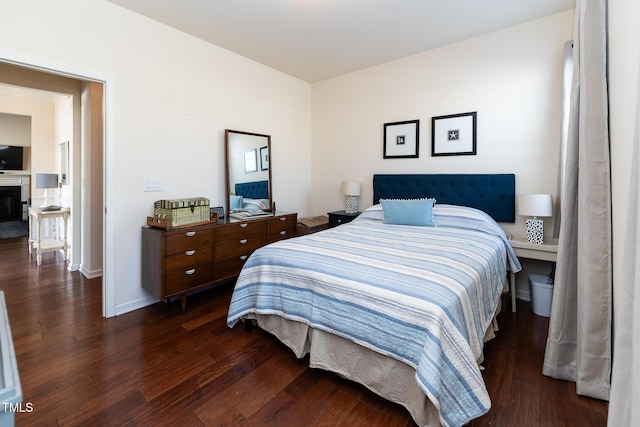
(58, 241)
(523, 249)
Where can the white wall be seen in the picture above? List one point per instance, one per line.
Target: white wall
(15, 129)
(512, 78)
(173, 97)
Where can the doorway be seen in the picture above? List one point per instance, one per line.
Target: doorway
(94, 204)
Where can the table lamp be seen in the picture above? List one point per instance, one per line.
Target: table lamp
(535, 205)
(351, 191)
(48, 181)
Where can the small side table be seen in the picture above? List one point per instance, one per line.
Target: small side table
(523, 249)
(56, 241)
(341, 217)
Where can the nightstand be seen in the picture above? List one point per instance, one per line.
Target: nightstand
(53, 239)
(341, 217)
(523, 249)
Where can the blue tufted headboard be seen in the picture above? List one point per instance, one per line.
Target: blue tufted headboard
(253, 190)
(491, 193)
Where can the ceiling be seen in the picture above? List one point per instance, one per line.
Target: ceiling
(315, 40)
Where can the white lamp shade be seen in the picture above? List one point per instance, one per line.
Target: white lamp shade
(535, 205)
(351, 188)
(46, 180)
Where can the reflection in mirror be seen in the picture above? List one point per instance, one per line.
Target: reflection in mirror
(248, 171)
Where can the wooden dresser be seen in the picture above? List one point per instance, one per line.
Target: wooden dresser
(176, 262)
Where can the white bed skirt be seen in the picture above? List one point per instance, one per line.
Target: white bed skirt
(385, 376)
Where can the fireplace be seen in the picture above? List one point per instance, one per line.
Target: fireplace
(10, 203)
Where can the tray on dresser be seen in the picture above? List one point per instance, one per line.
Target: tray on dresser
(165, 223)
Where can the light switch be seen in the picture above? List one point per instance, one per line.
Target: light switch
(153, 184)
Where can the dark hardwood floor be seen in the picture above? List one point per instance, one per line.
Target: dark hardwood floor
(156, 367)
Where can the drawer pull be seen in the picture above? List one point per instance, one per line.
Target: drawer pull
(189, 253)
(283, 232)
(190, 233)
(190, 272)
(243, 257)
(243, 241)
(284, 218)
(244, 225)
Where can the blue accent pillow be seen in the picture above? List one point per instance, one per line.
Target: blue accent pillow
(235, 202)
(408, 211)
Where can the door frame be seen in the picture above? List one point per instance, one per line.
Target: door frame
(108, 156)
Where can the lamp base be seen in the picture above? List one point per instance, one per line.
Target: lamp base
(351, 204)
(49, 199)
(535, 231)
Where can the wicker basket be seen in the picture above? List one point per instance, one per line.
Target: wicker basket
(182, 211)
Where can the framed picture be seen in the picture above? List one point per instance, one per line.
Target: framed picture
(220, 211)
(250, 161)
(453, 135)
(264, 158)
(401, 139)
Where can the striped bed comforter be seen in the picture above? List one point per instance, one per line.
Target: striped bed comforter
(422, 295)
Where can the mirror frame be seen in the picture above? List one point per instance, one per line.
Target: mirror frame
(259, 158)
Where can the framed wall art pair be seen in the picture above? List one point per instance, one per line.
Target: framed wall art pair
(451, 135)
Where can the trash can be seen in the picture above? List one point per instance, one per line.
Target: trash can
(541, 294)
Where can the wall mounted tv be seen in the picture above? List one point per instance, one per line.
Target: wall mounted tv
(11, 157)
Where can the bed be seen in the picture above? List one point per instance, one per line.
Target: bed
(402, 309)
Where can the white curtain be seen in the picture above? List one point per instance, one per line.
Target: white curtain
(624, 406)
(579, 341)
(564, 136)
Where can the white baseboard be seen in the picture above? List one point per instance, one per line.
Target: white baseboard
(135, 305)
(523, 295)
(90, 274)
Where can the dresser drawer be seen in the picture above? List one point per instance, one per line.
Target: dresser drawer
(240, 230)
(183, 279)
(230, 267)
(282, 227)
(239, 247)
(180, 241)
(239, 239)
(187, 259)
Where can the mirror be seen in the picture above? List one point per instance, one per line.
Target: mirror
(63, 150)
(248, 171)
